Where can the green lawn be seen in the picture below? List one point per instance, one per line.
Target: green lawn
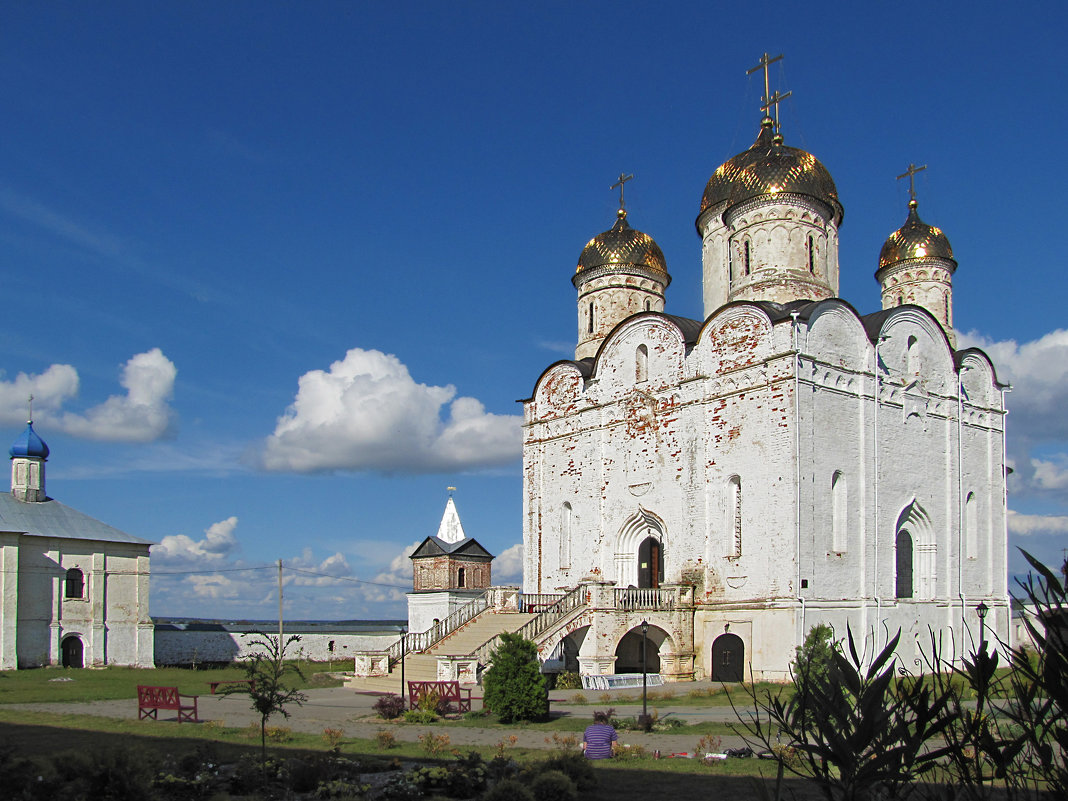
(58, 685)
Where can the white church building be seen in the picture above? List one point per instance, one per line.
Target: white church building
(73, 590)
(784, 462)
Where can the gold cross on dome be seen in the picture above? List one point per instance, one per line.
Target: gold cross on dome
(623, 178)
(910, 173)
(774, 100)
(765, 62)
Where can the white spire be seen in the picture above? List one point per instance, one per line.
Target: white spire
(451, 529)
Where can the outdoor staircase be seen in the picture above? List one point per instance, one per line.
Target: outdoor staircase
(423, 666)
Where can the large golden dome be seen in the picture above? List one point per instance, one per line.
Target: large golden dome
(622, 245)
(769, 168)
(718, 188)
(915, 240)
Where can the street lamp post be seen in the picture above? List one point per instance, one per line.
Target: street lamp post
(981, 610)
(645, 647)
(404, 651)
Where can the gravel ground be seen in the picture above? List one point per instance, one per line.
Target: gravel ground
(343, 708)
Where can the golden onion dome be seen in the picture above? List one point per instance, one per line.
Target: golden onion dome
(619, 246)
(915, 240)
(769, 168)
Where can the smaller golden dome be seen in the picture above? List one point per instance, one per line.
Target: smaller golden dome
(915, 240)
(622, 245)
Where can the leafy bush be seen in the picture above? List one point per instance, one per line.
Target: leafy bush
(386, 739)
(509, 790)
(420, 716)
(570, 680)
(463, 778)
(514, 687)
(572, 764)
(389, 706)
(553, 785)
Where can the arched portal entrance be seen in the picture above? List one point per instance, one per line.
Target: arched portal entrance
(72, 652)
(629, 651)
(650, 563)
(728, 658)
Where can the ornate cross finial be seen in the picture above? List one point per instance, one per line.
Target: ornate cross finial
(31, 411)
(910, 173)
(623, 178)
(451, 490)
(765, 62)
(774, 100)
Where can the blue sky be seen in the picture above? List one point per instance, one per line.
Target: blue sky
(276, 273)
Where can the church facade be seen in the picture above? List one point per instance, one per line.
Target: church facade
(73, 590)
(784, 462)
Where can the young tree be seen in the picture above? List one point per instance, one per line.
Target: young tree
(513, 686)
(269, 673)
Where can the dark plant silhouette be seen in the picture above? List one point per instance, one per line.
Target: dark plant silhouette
(856, 732)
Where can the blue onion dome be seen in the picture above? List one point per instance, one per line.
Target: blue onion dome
(915, 240)
(29, 444)
(622, 246)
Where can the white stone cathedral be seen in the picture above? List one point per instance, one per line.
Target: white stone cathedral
(784, 462)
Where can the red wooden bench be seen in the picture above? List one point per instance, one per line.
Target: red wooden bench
(152, 699)
(444, 690)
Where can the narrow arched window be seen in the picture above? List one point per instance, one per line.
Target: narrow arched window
(912, 357)
(730, 265)
(734, 515)
(747, 261)
(461, 577)
(903, 558)
(945, 297)
(75, 584)
(811, 256)
(839, 496)
(591, 318)
(971, 526)
(648, 305)
(641, 364)
(565, 535)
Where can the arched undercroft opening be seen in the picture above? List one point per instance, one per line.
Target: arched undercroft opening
(728, 658)
(73, 652)
(568, 649)
(629, 650)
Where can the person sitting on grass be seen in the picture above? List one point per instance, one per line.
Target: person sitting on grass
(598, 738)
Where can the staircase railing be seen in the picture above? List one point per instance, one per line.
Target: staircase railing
(414, 642)
(550, 614)
(654, 599)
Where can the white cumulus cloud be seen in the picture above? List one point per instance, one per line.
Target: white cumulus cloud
(50, 389)
(367, 413)
(508, 566)
(218, 543)
(1025, 525)
(1038, 371)
(142, 414)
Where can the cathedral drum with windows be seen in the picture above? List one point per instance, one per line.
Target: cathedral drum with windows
(785, 462)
